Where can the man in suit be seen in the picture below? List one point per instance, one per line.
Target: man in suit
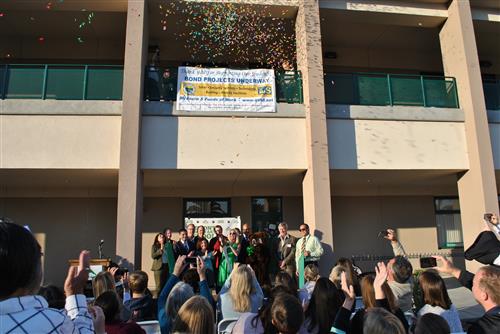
(184, 246)
(286, 250)
(245, 242)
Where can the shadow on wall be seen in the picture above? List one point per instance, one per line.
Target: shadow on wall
(342, 144)
(160, 136)
(327, 254)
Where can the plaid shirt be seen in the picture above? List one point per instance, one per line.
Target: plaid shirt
(32, 315)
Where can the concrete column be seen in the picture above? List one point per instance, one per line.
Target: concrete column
(129, 216)
(476, 187)
(316, 183)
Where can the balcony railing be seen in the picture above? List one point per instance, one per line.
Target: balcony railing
(61, 82)
(161, 85)
(378, 89)
(492, 94)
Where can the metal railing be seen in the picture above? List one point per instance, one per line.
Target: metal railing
(492, 94)
(61, 82)
(161, 85)
(380, 89)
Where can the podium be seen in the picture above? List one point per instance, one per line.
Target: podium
(96, 266)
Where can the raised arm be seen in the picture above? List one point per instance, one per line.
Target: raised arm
(80, 320)
(397, 247)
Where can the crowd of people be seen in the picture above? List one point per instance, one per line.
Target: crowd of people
(248, 280)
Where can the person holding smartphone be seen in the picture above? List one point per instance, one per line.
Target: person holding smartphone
(400, 272)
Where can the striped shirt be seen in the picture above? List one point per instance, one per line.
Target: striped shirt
(32, 315)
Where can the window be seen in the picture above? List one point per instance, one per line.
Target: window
(207, 207)
(267, 213)
(449, 224)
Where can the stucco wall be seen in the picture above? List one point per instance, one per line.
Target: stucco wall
(373, 144)
(45, 141)
(357, 221)
(222, 142)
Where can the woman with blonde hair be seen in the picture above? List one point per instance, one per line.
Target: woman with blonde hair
(311, 275)
(103, 282)
(241, 293)
(196, 316)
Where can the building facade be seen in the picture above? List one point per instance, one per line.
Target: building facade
(394, 122)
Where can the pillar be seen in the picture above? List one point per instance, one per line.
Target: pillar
(476, 187)
(316, 183)
(130, 179)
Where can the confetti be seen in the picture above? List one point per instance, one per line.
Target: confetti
(221, 31)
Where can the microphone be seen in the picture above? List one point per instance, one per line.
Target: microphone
(100, 248)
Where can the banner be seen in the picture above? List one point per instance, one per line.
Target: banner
(210, 223)
(223, 89)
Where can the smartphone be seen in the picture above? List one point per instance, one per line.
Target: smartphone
(191, 259)
(427, 262)
(382, 234)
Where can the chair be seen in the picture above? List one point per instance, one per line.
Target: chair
(150, 327)
(226, 326)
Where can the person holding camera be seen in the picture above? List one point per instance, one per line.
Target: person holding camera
(400, 270)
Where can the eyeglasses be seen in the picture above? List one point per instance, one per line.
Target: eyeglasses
(302, 229)
(232, 233)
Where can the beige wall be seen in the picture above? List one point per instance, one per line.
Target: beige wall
(372, 144)
(359, 219)
(226, 143)
(59, 141)
(64, 226)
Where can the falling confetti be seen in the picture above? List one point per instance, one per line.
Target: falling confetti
(220, 31)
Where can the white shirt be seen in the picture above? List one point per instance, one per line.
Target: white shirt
(32, 315)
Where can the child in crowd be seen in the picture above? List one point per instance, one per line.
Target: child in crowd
(141, 305)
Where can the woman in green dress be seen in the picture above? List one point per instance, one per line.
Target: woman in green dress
(230, 253)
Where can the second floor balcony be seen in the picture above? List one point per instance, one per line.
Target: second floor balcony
(61, 82)
(379, 89)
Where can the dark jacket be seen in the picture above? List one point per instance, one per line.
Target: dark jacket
(180, 249)
(242, 256)
(141, 309)
(490, 321)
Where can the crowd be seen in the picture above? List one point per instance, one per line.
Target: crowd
(248, 281)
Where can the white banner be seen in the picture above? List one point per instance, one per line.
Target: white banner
(210, 223)
(223, 89)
